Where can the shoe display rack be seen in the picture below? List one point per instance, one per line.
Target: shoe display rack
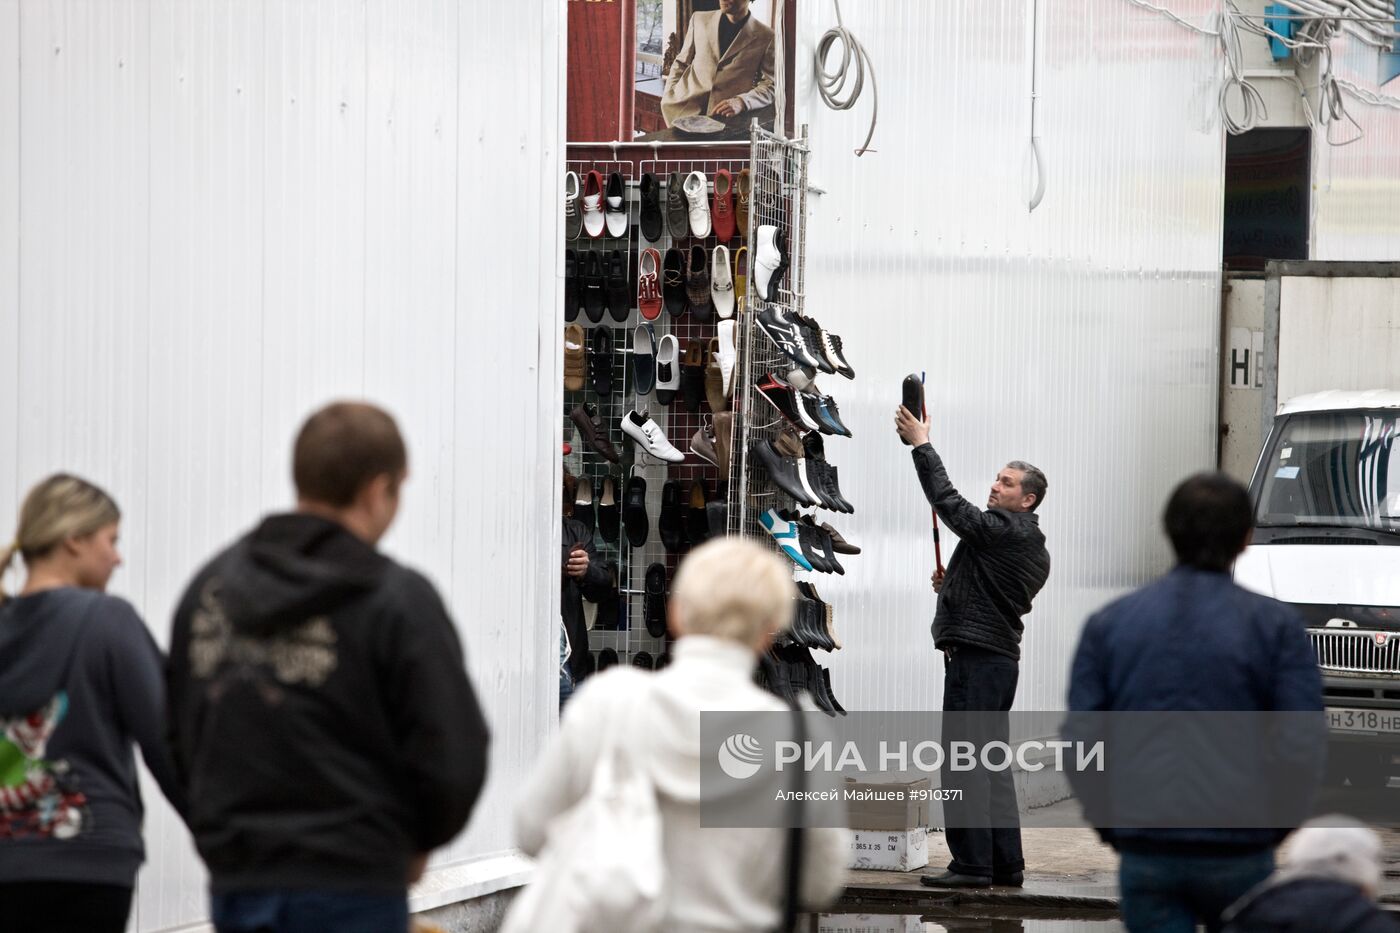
(778, 168)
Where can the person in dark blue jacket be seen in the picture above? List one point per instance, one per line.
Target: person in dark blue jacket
(1193, 643)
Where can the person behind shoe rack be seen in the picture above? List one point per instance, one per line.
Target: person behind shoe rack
(999, 566)
(582, 575)
(80, 682)
(728, 600)
(1194, 641)
(725, 66)
(320, 712)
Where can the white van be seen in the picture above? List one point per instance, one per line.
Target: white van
(1326, 495)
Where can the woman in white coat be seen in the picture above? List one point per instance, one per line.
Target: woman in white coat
(729, 599)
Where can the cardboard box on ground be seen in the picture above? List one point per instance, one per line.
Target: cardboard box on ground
(889, 830)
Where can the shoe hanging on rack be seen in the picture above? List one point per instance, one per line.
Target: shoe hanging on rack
(693, 374)
(649, 193)
(830, 345)
(600, 361)
(770, 261)
(575, 369)
(643, 359)
(608, 511)
(781, 328)
(722, 206)
(702, 443)
(823, 539)
(743, 189)
(697, 526)
(595, 295)
(788, 443)
(831, 415)
(634, 511)
(607, 658)
(671, 523)
(725, 332)
(590, 428)
(615, 205)
(785, 533)
(809, 410)
(782, 471)
(839, 544)
(717, 515)
(571, 289)
(619, 292)
(741, 275)
(812, 343)
(649, 437)
(573, 216)
(722, 282)
(663, 660)
(677, 209)
(698, 202)
(668, 369)
(714, 379)
(583, 504)
(724, 439)
(783, 397)
(649, 284)
(654, 601)
(697, 285)
(673, 282)
(593, 222)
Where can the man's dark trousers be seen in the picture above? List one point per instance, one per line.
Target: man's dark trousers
(983, 828)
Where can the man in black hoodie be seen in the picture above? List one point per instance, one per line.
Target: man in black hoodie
(321, 718)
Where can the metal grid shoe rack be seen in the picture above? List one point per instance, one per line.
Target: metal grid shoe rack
(679, 423)
(778, 167)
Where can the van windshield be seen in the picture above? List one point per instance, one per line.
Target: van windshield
(1333, 469)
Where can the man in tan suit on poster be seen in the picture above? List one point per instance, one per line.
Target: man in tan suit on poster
(725, 65)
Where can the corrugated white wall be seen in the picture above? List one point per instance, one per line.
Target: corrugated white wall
(1081, 337)
(215, 216)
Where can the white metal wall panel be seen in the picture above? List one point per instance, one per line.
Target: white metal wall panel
(1356, 187)
(216, 216)
(1337, 333)
(1081, 337)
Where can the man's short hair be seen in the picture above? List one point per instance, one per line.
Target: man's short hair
(341, 448)
(1207, 518)
(1033, 481)
(732, 588)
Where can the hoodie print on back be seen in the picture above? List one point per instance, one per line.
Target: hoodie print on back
(38, 798)
(301, 653)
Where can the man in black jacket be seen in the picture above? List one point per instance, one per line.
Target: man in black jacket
(582, 576)
(321, 718)
(999, 566)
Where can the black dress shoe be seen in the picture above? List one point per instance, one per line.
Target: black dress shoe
(643, 660)
(951, 879)
(634, 511)
(609, 513)
(620, 296)
(913, 399)
(673, 282)
(651, 220)
(655, 600)
(717, 516)
(571, 285)
(697, 525)
(841, 711)
(782, 471)
(1013, 879)
(583, 504)
(677, 209)
(662, 660)
(594, 294)
(606, 659)
(672, 521)
(600, 361)
(585, 417)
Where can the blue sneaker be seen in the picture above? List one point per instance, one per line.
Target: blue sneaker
(785, 533)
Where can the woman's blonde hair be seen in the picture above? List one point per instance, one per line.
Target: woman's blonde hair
(59, 508)
(732, 588)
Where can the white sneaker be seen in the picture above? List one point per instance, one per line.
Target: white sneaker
(722, 283)
(727, 354)
(573, 217)
(593, 222)
(766, 259)
(668, 369)
(615, 205)
(647, 435)
(699, 200)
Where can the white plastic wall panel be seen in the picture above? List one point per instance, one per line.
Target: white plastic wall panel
(1356, 187)
(1081, 337)
(1337, 333)
(216, 216)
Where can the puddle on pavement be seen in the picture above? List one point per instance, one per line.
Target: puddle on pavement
(925, 923)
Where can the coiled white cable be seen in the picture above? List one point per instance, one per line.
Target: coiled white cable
(832, 84)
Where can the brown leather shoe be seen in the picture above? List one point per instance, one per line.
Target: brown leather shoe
(591, 430)
(693, 373)
(743, 189)
(575, 367)
(714, 380)
(789, 443)
(839, 544)
(724, 439)
(697, 285)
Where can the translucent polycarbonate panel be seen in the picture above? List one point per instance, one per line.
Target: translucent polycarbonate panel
(1080, 337)
(216, 216)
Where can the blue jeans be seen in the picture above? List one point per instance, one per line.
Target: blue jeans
(309, 912)
(1170, 893)
(566, 679)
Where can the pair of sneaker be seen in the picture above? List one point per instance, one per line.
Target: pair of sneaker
(804, 409)
(803, 341)
(600, 207)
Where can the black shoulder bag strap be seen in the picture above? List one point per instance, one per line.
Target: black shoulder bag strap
(793, 894)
